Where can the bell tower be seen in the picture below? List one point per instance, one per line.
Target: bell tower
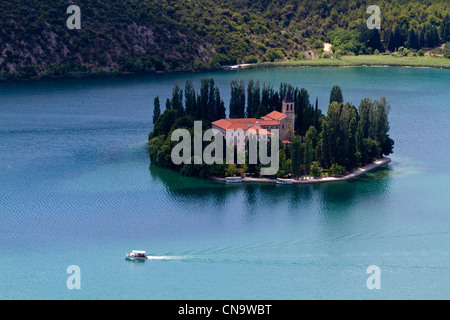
(288, 108)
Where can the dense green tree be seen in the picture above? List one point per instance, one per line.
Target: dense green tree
(389, 40)
(346, 41)
(372, 138)
(375, 41)
(177, 99)
(302, 111)
(164, 123)
(190, 99)
(253, 98)
(421, 36)
(310, 145)
(206, 101)
(297, 157)
(315, 169)
(219, 106)
(337, 170)
(317, 115)
(156, 109)
(284, 164)
(237, 101)
(431, 36)
(381, 123)
(445, 30)
(325, 144)
(168, 104)
(336, 95)
(334, 133)
(413, 40)
(265, 107)
(398, 38)
(348, 123)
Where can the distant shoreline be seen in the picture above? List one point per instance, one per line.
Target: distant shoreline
(361, 61)
(344, 61)
(356, 173)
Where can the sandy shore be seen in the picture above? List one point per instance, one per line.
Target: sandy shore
(352, 175)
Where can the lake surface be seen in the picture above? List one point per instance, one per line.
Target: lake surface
(77, 188)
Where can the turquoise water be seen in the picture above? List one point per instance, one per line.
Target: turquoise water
(77, 188)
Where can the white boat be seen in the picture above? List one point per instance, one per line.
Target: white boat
(136, 255)
(233, 179)
(285, 181)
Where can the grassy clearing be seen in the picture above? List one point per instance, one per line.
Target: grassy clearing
(364, 60)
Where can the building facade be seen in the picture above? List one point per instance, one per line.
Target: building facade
(239, 129)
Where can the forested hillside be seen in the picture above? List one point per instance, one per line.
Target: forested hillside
(162, 35)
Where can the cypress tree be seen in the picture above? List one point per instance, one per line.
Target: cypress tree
(190, 99)
(256, 97)
(336, 95)
(375, 40)
(250, 109)
(156, 110)
(241, 110)
(301, 105)
(445, 31)
(219, 106)
(237, 101)
(264, 105)
(168, 104)
(390, 41)
(325, 144)
(310, 145)
(234, 100)
(398, 38)
(203, 99)
(211, 106)
(296, 155)
(316, 115)
(437, 40)
(422, 42)
(413, 40)
(177, 99)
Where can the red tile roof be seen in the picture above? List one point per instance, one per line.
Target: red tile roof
(269, 122)
(234, 124)
(272, 119)
(274, 115)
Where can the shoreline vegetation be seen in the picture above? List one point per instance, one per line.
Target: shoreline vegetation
(362, 61)
(343, 61)
(323, 146)
(311, 180)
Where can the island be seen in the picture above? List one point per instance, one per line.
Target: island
(313, 147)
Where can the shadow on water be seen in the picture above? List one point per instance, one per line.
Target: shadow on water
(330, 197)
(340, 201)
(181, 187)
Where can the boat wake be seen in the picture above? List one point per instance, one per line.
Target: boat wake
(166, 257)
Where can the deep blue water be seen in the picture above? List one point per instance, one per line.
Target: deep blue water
(77, 188)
